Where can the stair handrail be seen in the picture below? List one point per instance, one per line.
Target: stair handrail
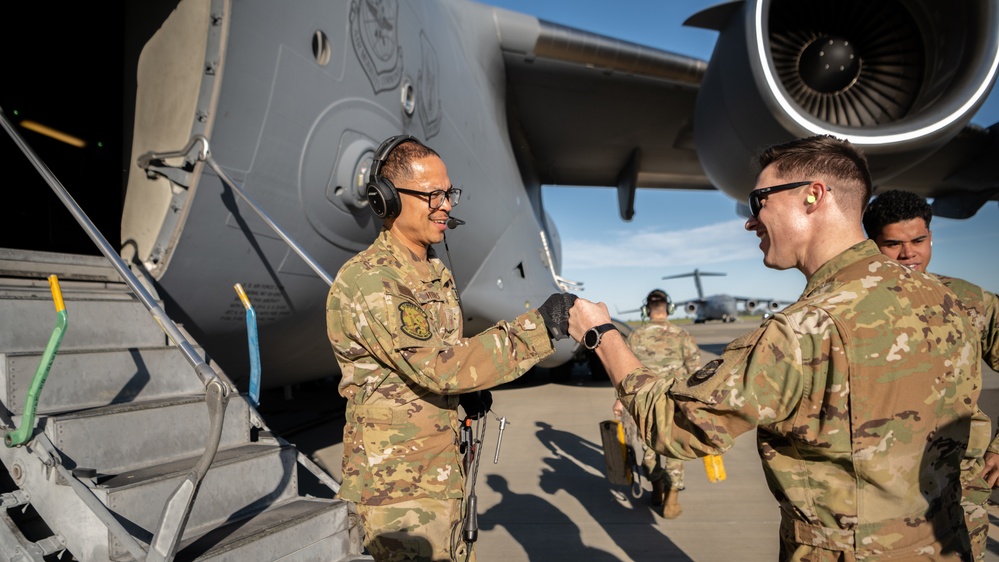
(253, 343)
(178, 507)
(21, 435)
(204, 154)
(173, 520)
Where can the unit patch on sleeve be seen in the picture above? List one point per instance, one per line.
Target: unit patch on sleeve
(414, 321)
(705, 373)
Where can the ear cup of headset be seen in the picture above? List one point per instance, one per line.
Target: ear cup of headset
(383, 198)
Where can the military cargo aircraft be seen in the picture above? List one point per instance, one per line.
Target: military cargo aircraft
(293, 109)
(719, 307)
(238, 152)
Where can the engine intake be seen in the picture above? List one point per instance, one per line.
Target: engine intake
(897, 78)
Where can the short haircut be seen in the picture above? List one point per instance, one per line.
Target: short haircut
(843, 164)
(895, 206)
(658, 299)
(656, 295)
(397, 163)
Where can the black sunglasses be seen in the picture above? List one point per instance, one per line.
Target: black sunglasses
(756, 196)
(436, 197)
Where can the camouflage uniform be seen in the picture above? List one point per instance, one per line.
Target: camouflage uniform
(862, 394)
(669, 351)
(396, 329)
(985, 313)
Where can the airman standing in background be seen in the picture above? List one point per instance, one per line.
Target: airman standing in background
(668, 350)
(899, 223)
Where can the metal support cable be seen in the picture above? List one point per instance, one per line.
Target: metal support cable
(204, 154)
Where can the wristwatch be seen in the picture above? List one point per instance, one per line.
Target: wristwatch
(592, 337)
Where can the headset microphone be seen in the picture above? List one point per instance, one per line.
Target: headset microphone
(453, 223)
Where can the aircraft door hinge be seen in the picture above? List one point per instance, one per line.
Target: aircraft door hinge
(178, 176)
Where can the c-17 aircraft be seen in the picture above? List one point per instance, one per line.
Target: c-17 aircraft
(285, 103)
(718, 307)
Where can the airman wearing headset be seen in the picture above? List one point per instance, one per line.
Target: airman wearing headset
(394, 320)
(668, 350)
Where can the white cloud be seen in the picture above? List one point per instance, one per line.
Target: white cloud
(720, 242)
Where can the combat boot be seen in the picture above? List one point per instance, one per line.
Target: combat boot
(672, 509)
(658, 492)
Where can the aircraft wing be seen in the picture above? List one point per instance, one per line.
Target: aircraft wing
(600, 111)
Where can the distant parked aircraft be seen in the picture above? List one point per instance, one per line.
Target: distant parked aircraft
(718, 307)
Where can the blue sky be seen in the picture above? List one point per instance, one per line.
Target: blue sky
(675, 231)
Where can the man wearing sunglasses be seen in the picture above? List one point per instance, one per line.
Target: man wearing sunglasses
(394, 319)
(862, 392)
(899, 223)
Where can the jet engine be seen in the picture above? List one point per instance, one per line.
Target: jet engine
(691, 307)
(899, 78)
(751, 305)
(773, 306)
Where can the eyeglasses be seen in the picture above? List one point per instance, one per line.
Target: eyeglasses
(436, 197)
(757, 195)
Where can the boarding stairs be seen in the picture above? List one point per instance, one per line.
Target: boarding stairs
(121, 421)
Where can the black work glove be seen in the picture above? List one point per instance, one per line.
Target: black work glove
(555, 311)
(476, 404)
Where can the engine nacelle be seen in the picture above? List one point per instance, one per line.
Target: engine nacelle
(773, 306)
(899, 78)
(691, 307)
(751, 305)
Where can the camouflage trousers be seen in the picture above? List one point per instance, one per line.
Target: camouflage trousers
(673, 471)
(418, 530)
(975, 493)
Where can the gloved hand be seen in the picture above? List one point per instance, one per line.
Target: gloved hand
(555, 311)
(476, 404)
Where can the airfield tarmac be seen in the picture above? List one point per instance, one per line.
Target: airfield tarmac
(548, 498)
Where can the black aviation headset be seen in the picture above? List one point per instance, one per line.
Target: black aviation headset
(658, 295)
(382, 195)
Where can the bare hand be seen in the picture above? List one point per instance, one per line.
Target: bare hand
(991, 471)
(584, 315)
(618, 408)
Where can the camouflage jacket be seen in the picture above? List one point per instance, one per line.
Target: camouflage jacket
(984, 308)
(396, 329)
(665, 348)
(862, 394)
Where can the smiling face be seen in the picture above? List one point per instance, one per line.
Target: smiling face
(780, 225)
(907, 242)
(417, 225)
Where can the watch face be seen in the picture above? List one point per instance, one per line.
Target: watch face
(591, 338)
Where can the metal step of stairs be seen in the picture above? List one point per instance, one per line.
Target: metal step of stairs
(133, 435)
(101, 316)
(242, 481)
(89, 379)
(304, 522)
